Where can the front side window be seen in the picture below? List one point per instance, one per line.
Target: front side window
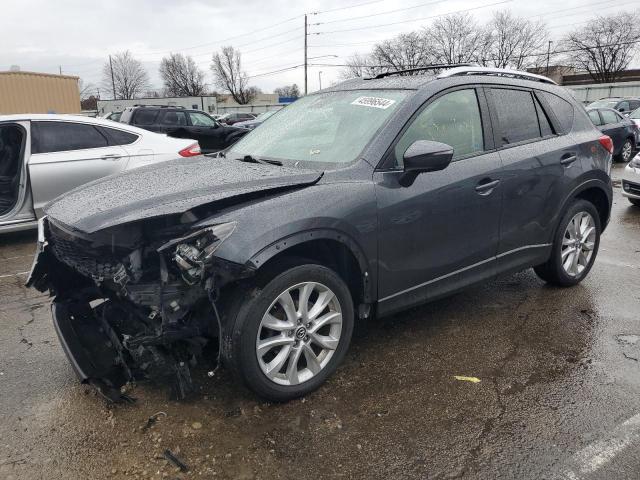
(516, 115)
(595, 117)
(330, 128)
(623, 106)
(609, 116)
(453, 119)
(201, 120)
(65, 136)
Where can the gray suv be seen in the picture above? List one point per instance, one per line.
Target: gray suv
(355, 202)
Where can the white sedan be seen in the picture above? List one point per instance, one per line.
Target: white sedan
(631, 181)
(43, 156)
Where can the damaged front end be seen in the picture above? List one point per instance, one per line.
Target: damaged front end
(136, 301)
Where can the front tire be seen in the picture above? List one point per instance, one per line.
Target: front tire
(286, 338)
(635, 201)
(575, 246)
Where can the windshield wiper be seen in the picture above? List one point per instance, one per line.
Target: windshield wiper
(250, 159)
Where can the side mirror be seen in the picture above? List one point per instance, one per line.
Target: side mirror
(424, 156)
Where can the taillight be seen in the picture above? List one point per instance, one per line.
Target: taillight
(192, 151)
(606, 143)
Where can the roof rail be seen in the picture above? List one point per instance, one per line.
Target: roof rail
(158, 106)
(421, 69)
(497, 72)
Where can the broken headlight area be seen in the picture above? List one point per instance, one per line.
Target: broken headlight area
(135, 309)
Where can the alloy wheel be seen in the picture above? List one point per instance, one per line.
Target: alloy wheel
(578, 244)
(626, 151)
(299, 333)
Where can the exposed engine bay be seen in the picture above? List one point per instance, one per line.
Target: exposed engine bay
(136, 301)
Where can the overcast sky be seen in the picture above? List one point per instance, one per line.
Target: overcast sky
(78, 35)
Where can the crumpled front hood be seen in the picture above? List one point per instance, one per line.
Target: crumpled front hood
(166, 188)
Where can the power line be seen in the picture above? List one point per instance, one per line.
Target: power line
(277, 71)
(345, 7)
(557, 52)
(413, 19)
(381, 13)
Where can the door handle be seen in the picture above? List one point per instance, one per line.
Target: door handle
(567, 159)
(112, 156)
(487, 188)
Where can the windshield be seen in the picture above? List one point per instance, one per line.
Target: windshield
(331, 127)
(604, 104)
(264, 115)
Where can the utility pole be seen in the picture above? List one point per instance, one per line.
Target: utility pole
(548, 54)
(113, 82)
(60, 69)
(305, 54)
(320, 79)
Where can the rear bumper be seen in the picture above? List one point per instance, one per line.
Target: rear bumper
(631, 182)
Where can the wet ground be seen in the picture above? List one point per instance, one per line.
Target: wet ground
(558, 396)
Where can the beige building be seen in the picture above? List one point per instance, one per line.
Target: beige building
(29, 92)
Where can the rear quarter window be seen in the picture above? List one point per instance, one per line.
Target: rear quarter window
(118, 137)
(145, 117)
(562, 110)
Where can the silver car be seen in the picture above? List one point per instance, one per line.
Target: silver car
(43, 156)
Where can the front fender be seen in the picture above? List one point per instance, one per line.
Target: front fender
(270, 225)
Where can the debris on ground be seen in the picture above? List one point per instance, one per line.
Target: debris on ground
(175, 460)
(152, 420)
(467, 379)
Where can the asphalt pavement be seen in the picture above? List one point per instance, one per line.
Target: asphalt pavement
(553, 391)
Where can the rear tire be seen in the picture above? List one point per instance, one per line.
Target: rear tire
(625, 152)
(277, 344)
(575, 246)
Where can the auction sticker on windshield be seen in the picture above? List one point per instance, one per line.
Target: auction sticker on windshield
(375, 102)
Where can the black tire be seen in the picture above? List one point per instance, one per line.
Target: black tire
(635, 201)
(242, 318)
(627, 146)
(552, 271)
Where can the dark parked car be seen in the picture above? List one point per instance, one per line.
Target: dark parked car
(619, 104)
(251, 124)
(622, 130)
(182, 123)
(417, 187)
(232, 118)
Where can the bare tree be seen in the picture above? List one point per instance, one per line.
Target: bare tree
(228, 75)
(455, 38)
(605, 46)
(362, 66)
(86, 89)
(181, 76)
(288, 91)
(406, 51)
(130, 79)
(513, 42)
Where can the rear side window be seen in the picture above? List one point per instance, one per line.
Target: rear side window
(65, 136)
(562, 109)
(609, 116)
(595, 117)
(516, 114)
(145, 117)
(118, 137)
(453, 119)
(173, 119)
